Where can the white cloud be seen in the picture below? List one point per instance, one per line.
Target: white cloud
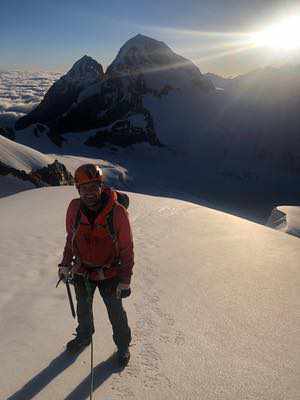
(21, 91)
(23, 107)
(5, 104)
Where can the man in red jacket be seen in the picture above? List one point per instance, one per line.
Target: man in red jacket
(98, 253)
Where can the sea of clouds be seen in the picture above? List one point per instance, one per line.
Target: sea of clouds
(21, 91)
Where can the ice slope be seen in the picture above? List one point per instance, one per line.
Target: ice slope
(214, 309)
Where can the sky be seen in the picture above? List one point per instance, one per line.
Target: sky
(52, 35)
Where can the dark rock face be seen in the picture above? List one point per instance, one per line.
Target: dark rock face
(63, 93)
(6, 170)
(38, 129)
(112, 108)
(7, 132)
(115, 102)
(54, 174)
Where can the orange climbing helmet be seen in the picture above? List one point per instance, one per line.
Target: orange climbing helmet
(88, 173)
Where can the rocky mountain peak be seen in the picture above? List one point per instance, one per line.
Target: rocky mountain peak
(64, 92)
(87, 69)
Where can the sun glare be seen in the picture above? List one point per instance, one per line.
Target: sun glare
(284, 35)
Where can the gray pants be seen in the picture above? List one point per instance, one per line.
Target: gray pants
(115, 310)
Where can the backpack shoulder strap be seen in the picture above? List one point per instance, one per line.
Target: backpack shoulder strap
(113, 234)
(123, 200)
(77, 219)
(76, 225)
(110, 224)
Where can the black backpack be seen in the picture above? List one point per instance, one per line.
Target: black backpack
(123, 199)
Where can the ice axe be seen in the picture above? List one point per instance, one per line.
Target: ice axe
(67, 282)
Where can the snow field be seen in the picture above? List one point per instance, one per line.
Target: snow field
(214, 309)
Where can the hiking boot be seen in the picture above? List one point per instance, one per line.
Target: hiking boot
(77, 344)
(123, 357)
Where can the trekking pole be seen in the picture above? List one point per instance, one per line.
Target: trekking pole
(89, 293)
(92, 370)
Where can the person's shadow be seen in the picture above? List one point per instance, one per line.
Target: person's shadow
(101, 372)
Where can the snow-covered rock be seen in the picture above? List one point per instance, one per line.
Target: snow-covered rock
(22, 167)
(286, 219)
(220, 82)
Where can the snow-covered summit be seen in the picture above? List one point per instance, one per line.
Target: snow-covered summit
(147, 54)
(152, 65)
(143, 54)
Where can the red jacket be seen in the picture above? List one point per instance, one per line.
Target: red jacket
(93, 244)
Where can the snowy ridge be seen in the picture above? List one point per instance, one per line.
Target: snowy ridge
(21, 157)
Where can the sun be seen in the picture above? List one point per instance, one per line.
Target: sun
(284, 35)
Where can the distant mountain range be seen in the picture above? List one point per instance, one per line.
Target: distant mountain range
(87, 98)
(261, 116)
(284, 81)
(247, 126)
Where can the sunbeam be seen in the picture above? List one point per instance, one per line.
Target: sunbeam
(283, 35)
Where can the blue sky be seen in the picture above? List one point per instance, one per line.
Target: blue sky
(52, 34)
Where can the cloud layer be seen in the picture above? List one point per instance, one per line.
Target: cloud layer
(21, 91)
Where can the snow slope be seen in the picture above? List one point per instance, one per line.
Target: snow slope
(214, 309)
(22, 157)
